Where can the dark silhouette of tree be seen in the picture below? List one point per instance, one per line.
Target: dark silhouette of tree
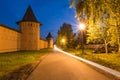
(65, 32)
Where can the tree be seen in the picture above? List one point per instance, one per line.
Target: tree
(67, 34)
(100, 32)
(114, 6)
(98, 16)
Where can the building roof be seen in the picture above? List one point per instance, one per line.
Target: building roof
(29, 15)
(49, 35)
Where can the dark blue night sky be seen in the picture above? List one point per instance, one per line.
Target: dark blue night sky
(51, 13)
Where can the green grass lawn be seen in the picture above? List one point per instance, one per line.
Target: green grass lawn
(14, 60)
(111, 60)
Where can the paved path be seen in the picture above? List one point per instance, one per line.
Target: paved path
(58, 66)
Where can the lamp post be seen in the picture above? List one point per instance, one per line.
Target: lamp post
(81, 27)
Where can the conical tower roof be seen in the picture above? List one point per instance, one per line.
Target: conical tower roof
(29, 15)
(49, 36)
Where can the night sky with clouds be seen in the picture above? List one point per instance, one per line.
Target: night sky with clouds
(51, 13)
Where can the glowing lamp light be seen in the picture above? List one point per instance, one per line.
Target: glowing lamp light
(81, 26)
(63, 40)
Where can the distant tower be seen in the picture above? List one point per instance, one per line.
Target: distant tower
(50, 40)
(30, 31)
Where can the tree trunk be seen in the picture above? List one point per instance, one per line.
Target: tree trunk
(106, 48)
(119, 47)
(117, 24)
(118, 42)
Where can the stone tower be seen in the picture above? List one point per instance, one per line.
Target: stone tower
(30, 31)
(50, 40)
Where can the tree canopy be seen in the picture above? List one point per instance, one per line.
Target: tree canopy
(65, 32)
(102, 17)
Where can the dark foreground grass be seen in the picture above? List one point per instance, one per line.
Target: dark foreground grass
(111, 60)
(14, 60)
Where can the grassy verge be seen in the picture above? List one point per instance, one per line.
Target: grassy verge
(111, 60)
(15, 60)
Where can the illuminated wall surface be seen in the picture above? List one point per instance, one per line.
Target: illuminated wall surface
(50, 43)
(28, 38)
(30, 35)
(9, 39)
(43, 44)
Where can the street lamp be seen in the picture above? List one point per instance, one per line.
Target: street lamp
(81, 27)
(63, 42)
